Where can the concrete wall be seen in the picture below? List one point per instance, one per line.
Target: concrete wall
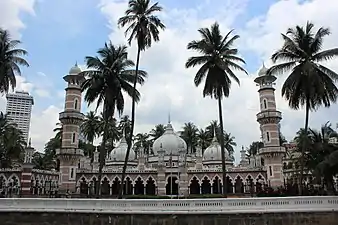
(17, 218)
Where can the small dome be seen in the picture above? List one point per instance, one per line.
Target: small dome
(75, 70)
(214, 153)
(170, 142)
(119, 153)
(263, 71)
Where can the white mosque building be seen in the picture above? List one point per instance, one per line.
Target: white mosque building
(170, 170)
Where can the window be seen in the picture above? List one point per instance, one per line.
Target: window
(268, 136)
(72, 173)
(265, 104)
(75, 103)
(73, 137)
(270, 170)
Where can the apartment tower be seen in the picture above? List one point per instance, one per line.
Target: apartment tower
(19, 110)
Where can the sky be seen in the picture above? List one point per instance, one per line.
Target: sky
(59, 33)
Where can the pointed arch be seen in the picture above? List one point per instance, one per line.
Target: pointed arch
(118, 178)
(139, 176)
(150, 176)
(205, 176)
(219, 177)
(194, 176)
(239, 175)
(261, 175)
(16, 177)
(94, 176)
(80, 180)
(247, 176)
(105, 176)
(132, 180)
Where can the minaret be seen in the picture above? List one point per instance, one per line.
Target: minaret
(244, 158)
(269, 118)
(71, 118)
(27, 167)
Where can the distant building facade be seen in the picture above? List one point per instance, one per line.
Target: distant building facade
(19, 110)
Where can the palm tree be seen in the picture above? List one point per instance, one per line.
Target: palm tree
(125, 126)
(217, 60)
(254, 147)
(58, 132)
(157, 131)
(12, 143)
(114, 133)
(189, 135)
(90, 126)
(310, 83)
(109, 74)
(10, 61)
(203, 139)
(142, 139)
(144, 28)
(230, 144)
(212, 129)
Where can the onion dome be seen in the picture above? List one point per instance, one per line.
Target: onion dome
(214, 152)
(75, 70)
(170, 142)
(263, 71)
(119, 153)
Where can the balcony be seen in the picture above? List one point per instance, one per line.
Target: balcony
(274, 149)
(69, 151)
(269, 114)
(71, 115)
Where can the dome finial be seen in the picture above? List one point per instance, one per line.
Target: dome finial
(169, 119)
(76, 63)
(214, 139)
(30, 142)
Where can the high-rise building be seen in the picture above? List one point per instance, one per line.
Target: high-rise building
(19, 110)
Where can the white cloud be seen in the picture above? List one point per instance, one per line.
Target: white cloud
(170, 86)
(42, 125)
(42, 93)
(10, 14)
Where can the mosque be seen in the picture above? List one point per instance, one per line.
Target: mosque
(169, 170)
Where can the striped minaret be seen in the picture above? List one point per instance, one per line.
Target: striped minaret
(27, 167)
(269, 117)
(70, 118)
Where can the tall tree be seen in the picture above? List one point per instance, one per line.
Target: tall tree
(144, 27)
(11, 58)
(203, 139)
(142, 139)
(12, 142)
(310, 83)
(157, 131)
(109, 74)
(217, 60)
(90, 126)
(189, 135)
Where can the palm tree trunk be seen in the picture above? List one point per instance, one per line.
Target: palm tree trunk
(129, 141)
(304, 146)
(224, 177)
(102, 154)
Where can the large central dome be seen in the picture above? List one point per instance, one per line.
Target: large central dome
(170, 142)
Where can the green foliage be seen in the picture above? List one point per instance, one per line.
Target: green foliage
(321, 155)
(12, 144)
(10, 61)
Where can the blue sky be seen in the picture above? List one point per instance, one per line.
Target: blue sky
(58, 33)
(63, 32)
